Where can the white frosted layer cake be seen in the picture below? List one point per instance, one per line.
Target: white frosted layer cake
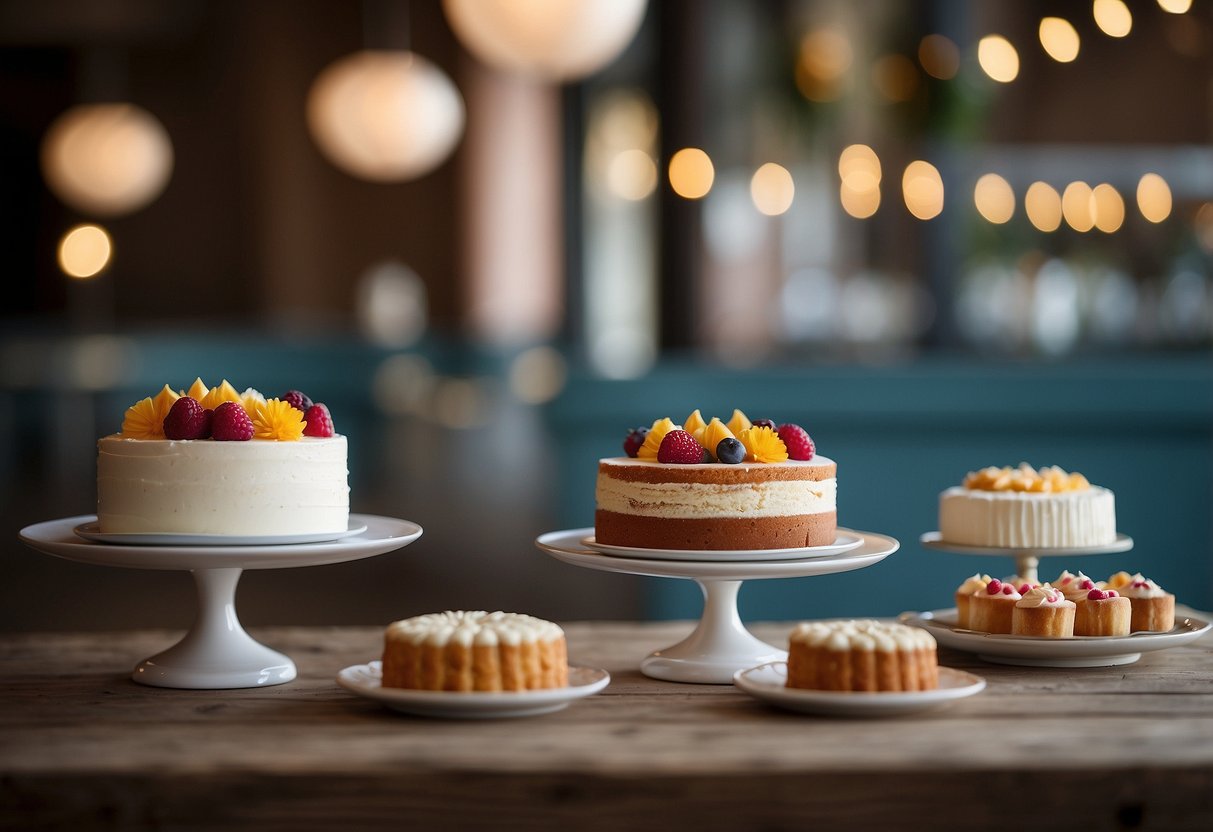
(1027, 520)
(203, 486)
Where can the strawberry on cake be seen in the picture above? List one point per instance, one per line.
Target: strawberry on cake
(218, 462)
(708, 485)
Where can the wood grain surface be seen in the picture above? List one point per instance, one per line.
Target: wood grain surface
(82, 747)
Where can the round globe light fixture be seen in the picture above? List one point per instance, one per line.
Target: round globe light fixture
(555, 40)
(385, 116)
(107, 159)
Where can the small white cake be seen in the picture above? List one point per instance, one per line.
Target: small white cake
(1027, 509)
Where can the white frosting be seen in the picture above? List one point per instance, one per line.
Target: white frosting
(976, 583)
(1043, 596)
(776, 498)
(1142, 587)
(479, 627)
(1016, 519)
(865, 635)
(258, 487)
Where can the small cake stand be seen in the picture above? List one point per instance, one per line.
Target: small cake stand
(1026, 560)
(217, 652)
(720, 644)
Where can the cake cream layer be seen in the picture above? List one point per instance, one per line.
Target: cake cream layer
(258, 487)
(1016, 519)
(715, 491)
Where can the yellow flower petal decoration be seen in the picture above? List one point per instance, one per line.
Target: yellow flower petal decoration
(695, 424)
(145, 419)
(276, 419)
(653, 441)
(218, 395)
(197, 390)
(763, 445)
(738, 423)
(713, 434)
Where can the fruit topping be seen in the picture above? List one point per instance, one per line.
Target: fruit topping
(652, 442)
(249, 399)
(712, 435)
(1102, 594)
(994, 587)
(730, 451)
(633, 441)
(278, 420)
(218, 395)
(763, 445)
(695, 424)
(1007, 589)
(187, 419)
(297, 400)
(738, 422)
(763, 423)
(1087, 583)
(197, 390)
(797, 440)
(679, 448)
(231, 423)
(1025, 588)
(145, 419)
(319, 422)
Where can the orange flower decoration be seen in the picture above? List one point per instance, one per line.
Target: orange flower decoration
(145, 419)
(763, 445)
(277, 420)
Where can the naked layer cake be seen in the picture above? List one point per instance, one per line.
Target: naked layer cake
(711, 486)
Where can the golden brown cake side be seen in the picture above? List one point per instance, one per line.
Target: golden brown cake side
(964, 593)
(992, 609)
(861, 656)
(1103, 613)
(1153, 607)
(474, 651)
(1043, 612)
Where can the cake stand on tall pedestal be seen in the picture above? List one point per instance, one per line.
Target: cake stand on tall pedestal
(217, 652)
(720, 645)
(1027, 561)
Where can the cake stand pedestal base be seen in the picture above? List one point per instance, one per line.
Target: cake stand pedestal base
(216, 652)
(719, 645)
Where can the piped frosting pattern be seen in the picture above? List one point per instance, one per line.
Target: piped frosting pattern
(474, 628)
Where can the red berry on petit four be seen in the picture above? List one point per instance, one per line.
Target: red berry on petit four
(994, 587)
(231, 423)
(800, 446)
(680, 448)
(187, 419)
(319, 421)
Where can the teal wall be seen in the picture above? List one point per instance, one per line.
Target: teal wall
(902, 433)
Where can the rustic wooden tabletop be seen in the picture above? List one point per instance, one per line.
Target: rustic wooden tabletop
(82, 747)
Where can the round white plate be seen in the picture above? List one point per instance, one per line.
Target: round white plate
(364, 680)
(1032, 651)
(383, 534)
(932, 540)
(845, 541)
(567, 546)
(92, 531)
(768, 682)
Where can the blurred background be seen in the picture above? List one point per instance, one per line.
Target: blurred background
(493, 235)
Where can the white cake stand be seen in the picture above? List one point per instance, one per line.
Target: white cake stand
(1026, 560)
(217, 652)
(720, 644)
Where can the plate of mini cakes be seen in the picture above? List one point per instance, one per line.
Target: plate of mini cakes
(858, 668)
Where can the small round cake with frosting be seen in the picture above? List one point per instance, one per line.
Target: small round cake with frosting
(1103, 612)
(475, 651)
(1074, 587)
(1043, 612)
(1153, 608)
(992, 609)
(861, 655)
(1022, 508)
(964, 593)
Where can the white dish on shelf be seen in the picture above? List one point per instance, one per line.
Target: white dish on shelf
(1032, 651)
(768, 683)
(92, 531)
(366, 680)
(845, 541)
(382, 534)
(932, 540)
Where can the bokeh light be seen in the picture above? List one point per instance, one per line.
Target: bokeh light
(939, 56)
(1042, 204)
(895, 77)
(821, 67)
(1112, 17)
(772, 189)
(691, 173)
(994, 198)
(84, 251)
(859, 168)
(1077, 205)
(1059, 39)
(1175, 6)
(922, 188)
(632, 175)
(998, 58)
(1108, 207)
(538, 375)
(1154, 197)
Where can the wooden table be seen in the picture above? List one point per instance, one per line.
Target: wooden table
(82, 747)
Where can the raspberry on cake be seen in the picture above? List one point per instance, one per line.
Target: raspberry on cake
(243, 468)
(861, 656)
(1022, 508)
(747, 495)
(475, 651)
